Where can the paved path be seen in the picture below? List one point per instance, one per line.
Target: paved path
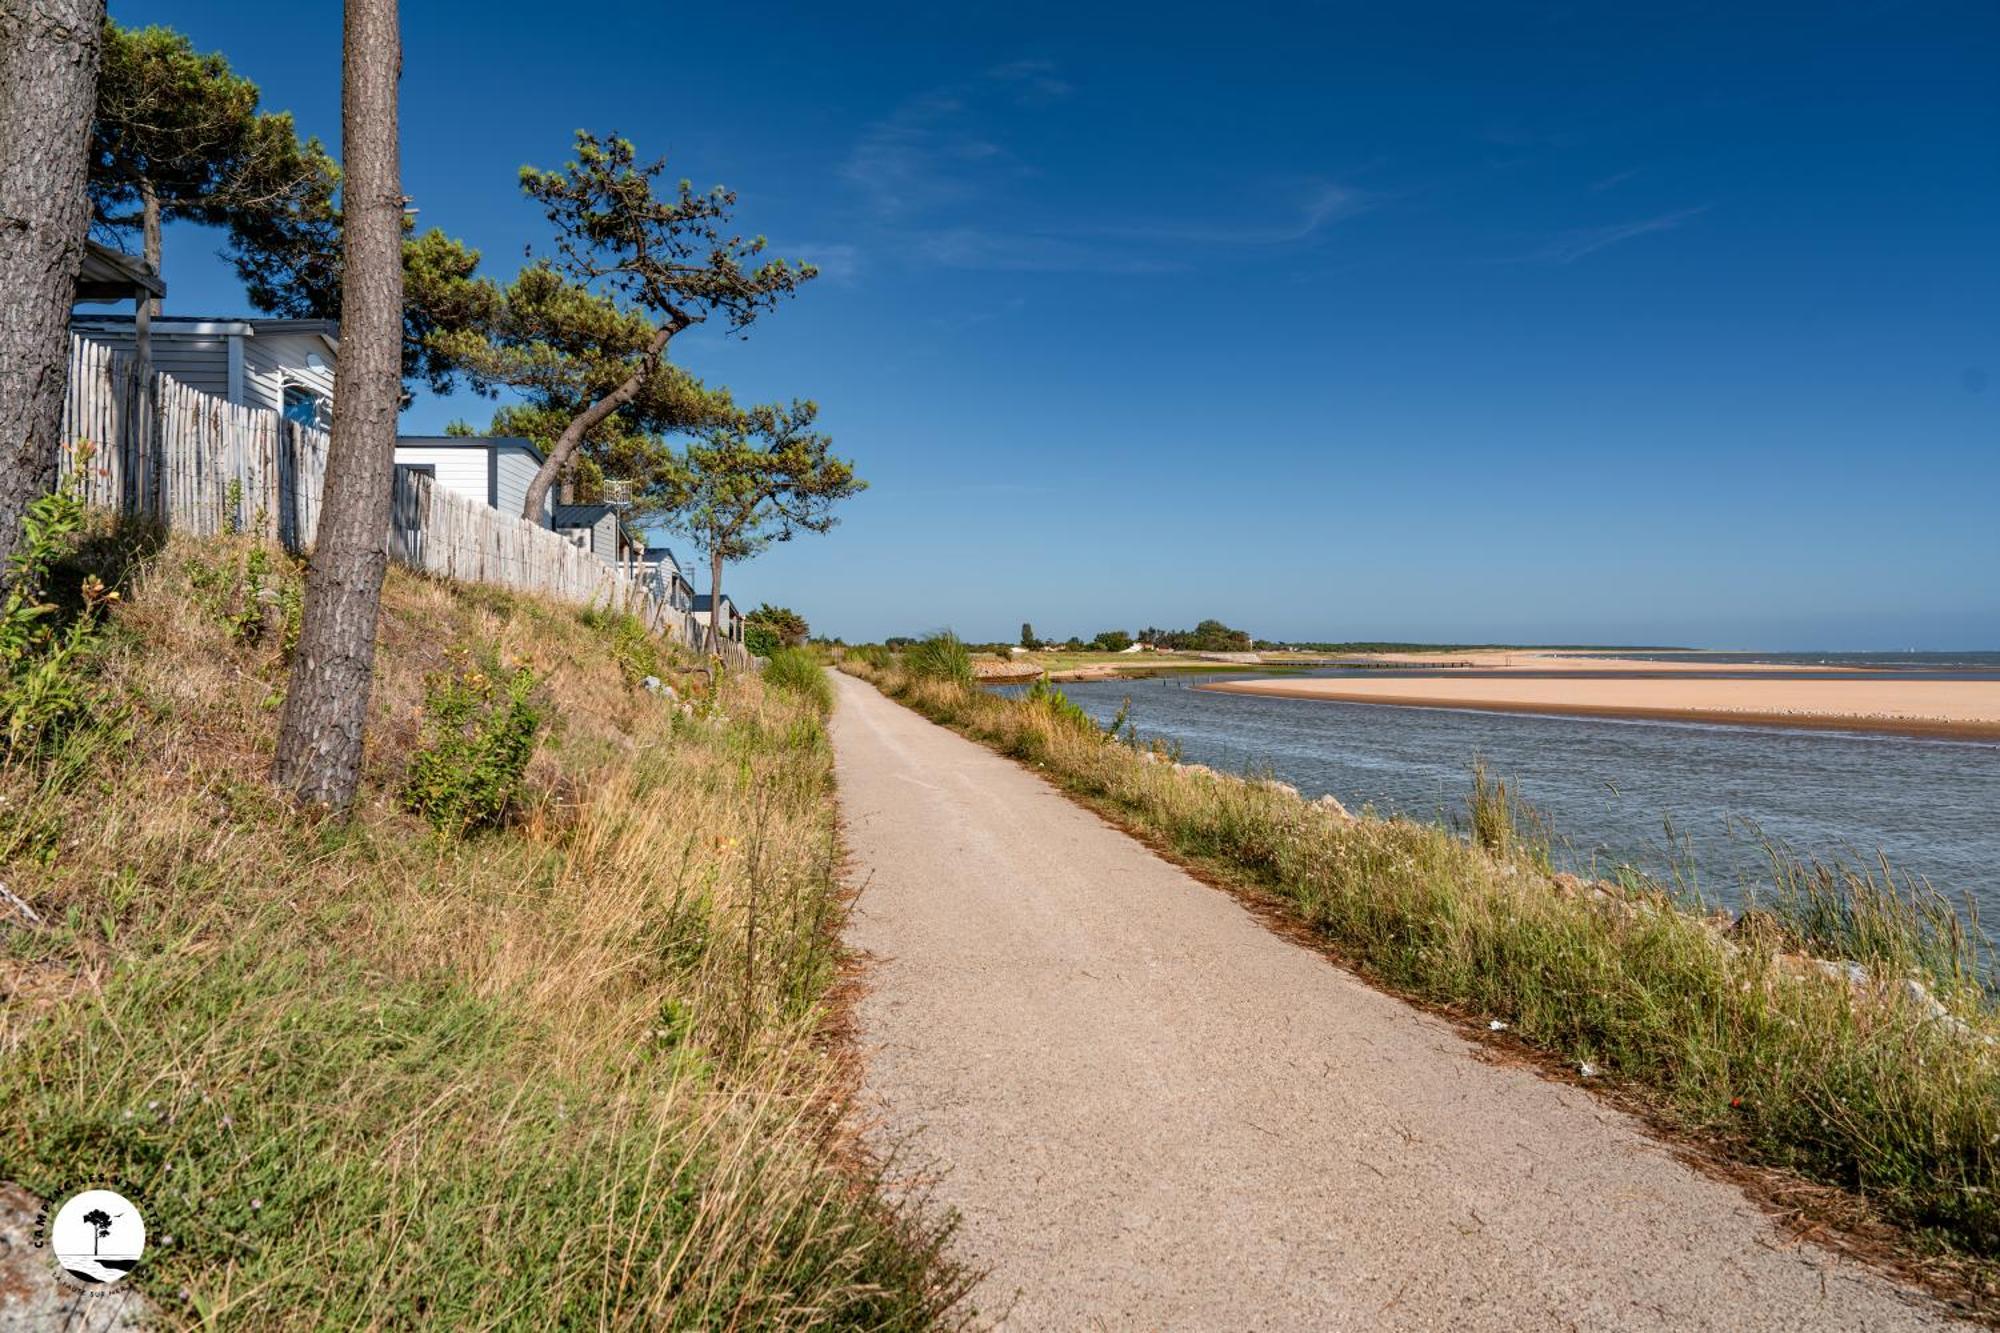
(1154, 1113)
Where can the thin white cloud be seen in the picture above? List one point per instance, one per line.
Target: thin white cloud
(837, 261)
(935, 177)
(1013, 305)
(1034, 80)
(1324, 202)
(930, 151)
(1573, 245)
(1029, 252)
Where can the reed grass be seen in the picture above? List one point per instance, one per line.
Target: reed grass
(1882, 1079)
(941, 656)
(803, 673)
(569, 1073)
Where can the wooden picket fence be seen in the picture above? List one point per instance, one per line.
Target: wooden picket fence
(186, 459)
(195, 463)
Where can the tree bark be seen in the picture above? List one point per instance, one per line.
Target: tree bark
(715, 600)
(144, 309)
(49, 51)
(586, 421)
(326, 706)
(149, 231)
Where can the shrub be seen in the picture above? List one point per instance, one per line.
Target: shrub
(799, 671)
(941, 656)
(479, 733)
(45, 671)
(760, 639)
(1057, 705)
(789, 626)
(633, 646)
(247, 594)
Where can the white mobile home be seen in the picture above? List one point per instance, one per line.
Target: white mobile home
(493, 470)
(732, 619)
(282, 365)
(663, 574)
(599, 529)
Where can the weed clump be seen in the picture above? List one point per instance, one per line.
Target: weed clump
(634, 648)
(942, 656)
(249, 593)
(46, 668)
(480, 724)
(799, 671)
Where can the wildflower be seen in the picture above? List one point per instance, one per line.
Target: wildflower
(256, 1205)
(1496, 1025)
(1587, 1069)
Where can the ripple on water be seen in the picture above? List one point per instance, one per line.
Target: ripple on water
(1610, 786)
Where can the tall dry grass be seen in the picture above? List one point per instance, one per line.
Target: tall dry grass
(564, 1074)
(1881, 1078)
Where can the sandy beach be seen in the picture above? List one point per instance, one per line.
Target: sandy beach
(1959, 709)
(1583, 661)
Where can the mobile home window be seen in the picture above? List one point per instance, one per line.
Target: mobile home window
(303, 405)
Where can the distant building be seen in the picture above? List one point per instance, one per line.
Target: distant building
(731, 625)
(664, 577)
(492, 470)
(281, 365)
(109, 276)
(599, 529)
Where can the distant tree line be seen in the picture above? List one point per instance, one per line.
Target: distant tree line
(1210, 636)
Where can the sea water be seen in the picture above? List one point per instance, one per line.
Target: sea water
(1650, 794)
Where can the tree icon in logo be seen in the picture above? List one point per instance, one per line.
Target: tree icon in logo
(98, 1237)
(99, 1222)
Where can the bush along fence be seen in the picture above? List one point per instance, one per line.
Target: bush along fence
(195, 463)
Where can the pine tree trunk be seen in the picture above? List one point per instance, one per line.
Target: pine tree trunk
(715, 602)
(319, 738)
(149, 216)
(144, 309)
(48, 87)
(586, 421)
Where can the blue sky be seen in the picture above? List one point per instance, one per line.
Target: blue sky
(1484, 321)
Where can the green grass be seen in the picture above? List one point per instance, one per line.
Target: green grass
(941, 657)
(569, 1073)
(1745, 1042)
(802, 673)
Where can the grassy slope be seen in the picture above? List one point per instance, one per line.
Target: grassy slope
(564, 1074)
(1742, 1041)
